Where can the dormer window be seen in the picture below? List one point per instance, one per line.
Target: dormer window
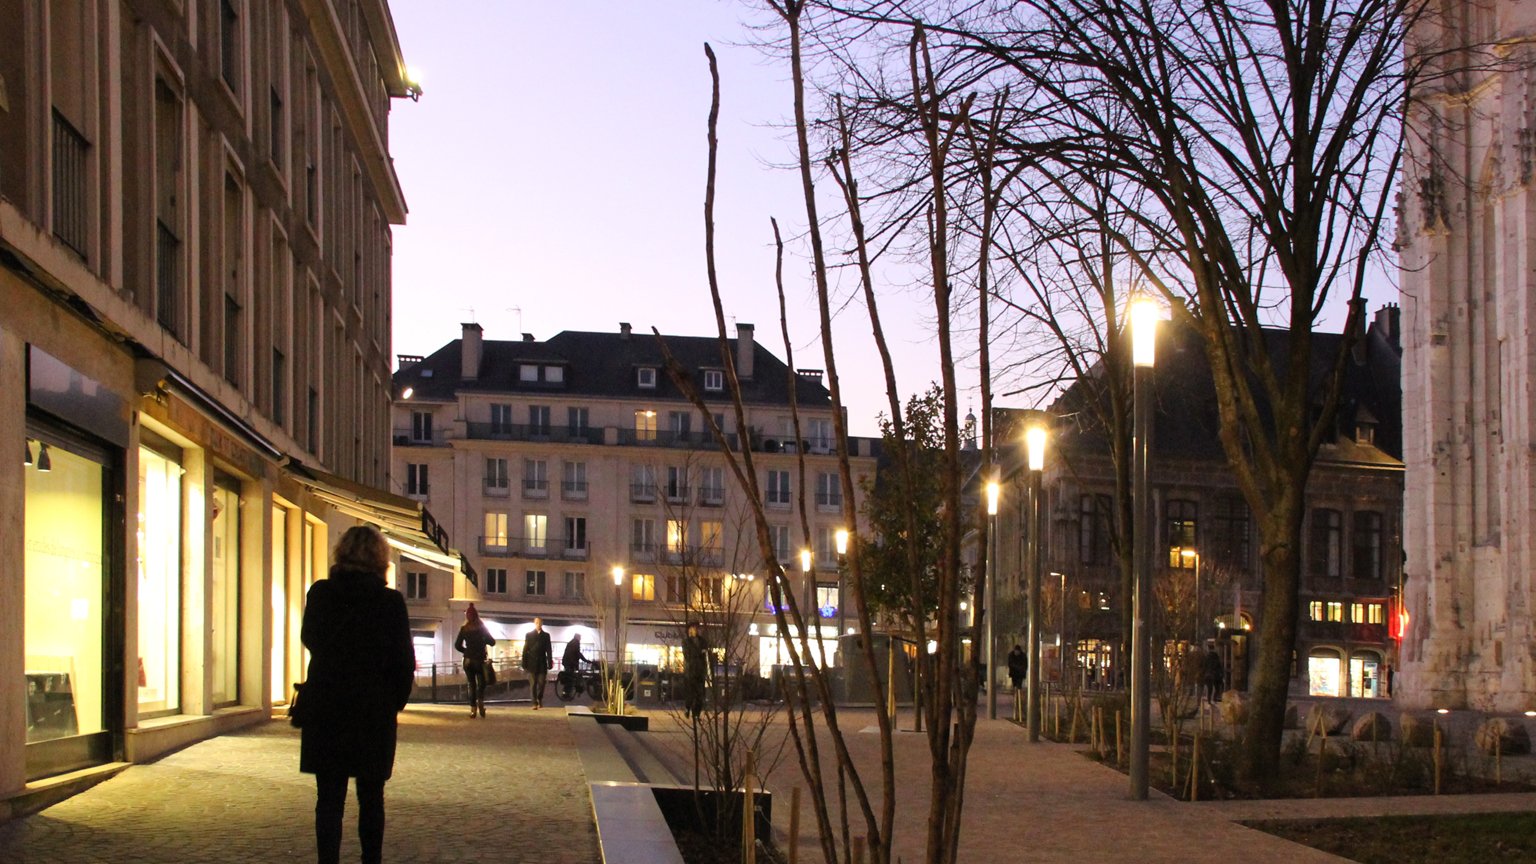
(554, 374)
(527, 372)
(646, 377)
(1365, 433)
(714, 380)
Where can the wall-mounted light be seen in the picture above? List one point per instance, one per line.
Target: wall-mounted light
(44, 463)
(805, 560)
(992, 493)
(841, 540)
(28, 446)
(407, 393)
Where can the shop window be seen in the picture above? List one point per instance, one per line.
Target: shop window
(1324, 674)
(159, 583)
(224, 625)
(65, 593)
(1365, 676)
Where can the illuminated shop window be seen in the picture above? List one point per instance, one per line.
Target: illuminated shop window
(159, 583)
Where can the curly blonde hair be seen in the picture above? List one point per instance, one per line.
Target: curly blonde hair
(363, 548)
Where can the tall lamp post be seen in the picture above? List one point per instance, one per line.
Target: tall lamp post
(1034, 445)
(618, 651)
(1143, 315)
(840, 540)
(991, 598)
(1194, 555)
(812, 612)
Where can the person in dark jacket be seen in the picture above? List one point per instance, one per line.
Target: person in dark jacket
(695, 659)
(1212, 675)
(472, 642)
(360, 671)
(538, 659)
(1018, 667)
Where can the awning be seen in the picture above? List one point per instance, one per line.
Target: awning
(405, 523)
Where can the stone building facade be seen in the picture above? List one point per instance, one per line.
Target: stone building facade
(1207, 577)
(1469, 325)
(195, 208)
(556, 460)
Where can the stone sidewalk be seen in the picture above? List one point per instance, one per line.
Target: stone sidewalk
(507, 788)
(512, 788)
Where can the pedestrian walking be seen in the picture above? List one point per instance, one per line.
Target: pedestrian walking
(1018, 667)
(360, 671)
(570, 667)
(473, 641)
(1212, 674)
(695, 659)
(538, 659)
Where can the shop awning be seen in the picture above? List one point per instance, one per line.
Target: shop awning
(405, 523)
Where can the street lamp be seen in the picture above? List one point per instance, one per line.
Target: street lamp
(1188, 555)
(1143, 315)
(812, 611)
(993, 490)
(840, 540)
(1034, 447)
(618, 659)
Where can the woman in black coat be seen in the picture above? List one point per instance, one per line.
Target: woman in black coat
(360, 672)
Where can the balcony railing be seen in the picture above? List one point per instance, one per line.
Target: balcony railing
(535, 547)
(677, 492)
(573, 489)
(534, 432)
(71, 221)
(711, 496)
(167, 278)
(497, 487)
(642, 492)
(703, 440)
(535, 488)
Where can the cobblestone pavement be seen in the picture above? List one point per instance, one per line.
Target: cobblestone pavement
(507, 788)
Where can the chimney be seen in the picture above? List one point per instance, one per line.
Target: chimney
(469, 352)
(745, 350)
(528, 337)
(623, 329)
(1389, 323)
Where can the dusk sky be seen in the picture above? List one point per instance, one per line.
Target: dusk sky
(555, 172)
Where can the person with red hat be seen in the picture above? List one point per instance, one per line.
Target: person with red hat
(473, 641)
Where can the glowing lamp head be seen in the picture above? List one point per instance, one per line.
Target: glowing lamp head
(618, 576)
(1189, 555)
(841, 539)
(992, 493)
(1144, 315)
(805, 560)
(407, 393)
(1034, 445)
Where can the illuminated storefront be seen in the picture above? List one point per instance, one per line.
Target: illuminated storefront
(70, 710)
(159, 577)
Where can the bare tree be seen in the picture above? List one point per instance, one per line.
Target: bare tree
(1247, 153)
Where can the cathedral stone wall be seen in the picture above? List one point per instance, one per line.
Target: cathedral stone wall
(1468, 240)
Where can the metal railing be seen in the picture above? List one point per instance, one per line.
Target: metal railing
(534, 432)
(71, 222)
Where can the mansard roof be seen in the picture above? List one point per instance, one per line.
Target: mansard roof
(1186, 424)
(605, 365)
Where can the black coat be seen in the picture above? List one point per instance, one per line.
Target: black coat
(360, 673)
(472, 642)
(538, 654)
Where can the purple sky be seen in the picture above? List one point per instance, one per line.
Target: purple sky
(554, 170)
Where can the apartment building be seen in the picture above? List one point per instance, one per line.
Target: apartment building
(195, 208)
(568, 457)
(1207, 574)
